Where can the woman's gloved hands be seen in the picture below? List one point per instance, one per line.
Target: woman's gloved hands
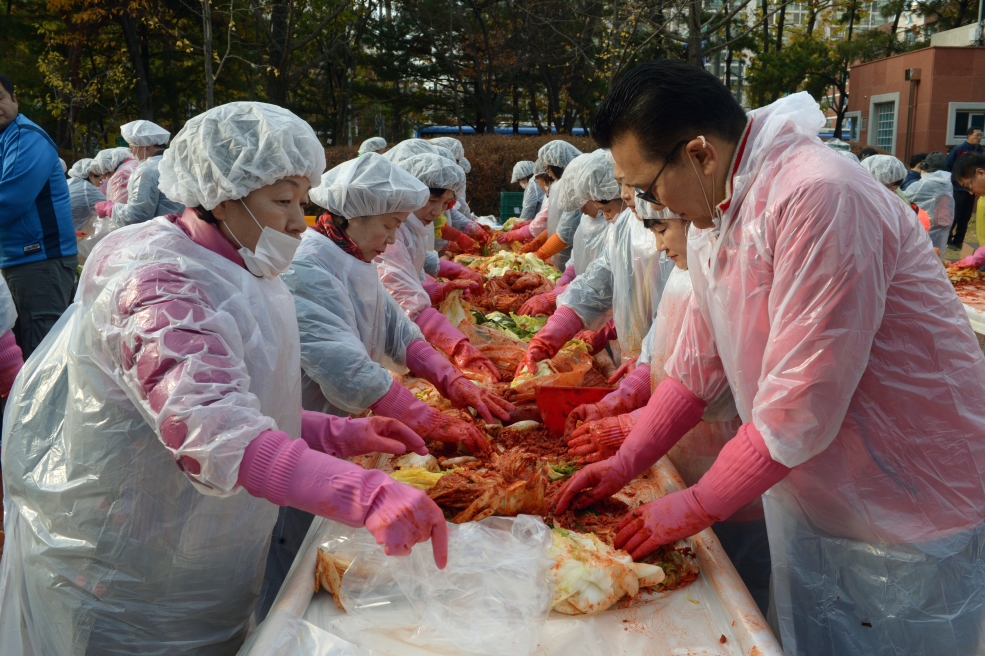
(344, 437)
(561, 327)
(540, 305)
(597, 440)
(477, 232)
(438, 291)
(11, 361)
(455, 271)
(463, 242)
(536, 243)
(402, 516)
(633, 393)
(104, 208)
(454, 430)
(468, 358)
(463, 393)
(521, 234)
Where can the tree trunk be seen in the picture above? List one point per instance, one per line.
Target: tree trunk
(207, 52)
(145, 109)
(516, 116)
(532, 106)
(780, 27)
(277, 79)
(695, 32)
(892, 40)
(729, 57)
(765, 9)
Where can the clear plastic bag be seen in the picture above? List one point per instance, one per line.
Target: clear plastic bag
(493, 598)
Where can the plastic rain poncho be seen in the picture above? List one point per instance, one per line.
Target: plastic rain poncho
(145, 200)
(144, 133)
(352, 330)
(202, 169)
(933, 193)
(124, 525)
(589, 242)
(624, 283)
(121, 163)
(125, 529)
(372, 145)
(401, 267)
(8, 311)
(533, 197)
(83, 195)
(844, 343)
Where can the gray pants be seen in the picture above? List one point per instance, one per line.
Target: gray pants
(42, 291)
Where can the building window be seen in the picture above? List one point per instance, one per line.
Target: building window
(885, 126)
(962, 116)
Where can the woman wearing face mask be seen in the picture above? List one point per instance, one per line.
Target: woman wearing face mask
(850, 359)
(590, 187)
(171, 383)
(557, 247)
(83, 191)
(533, 235)
(624, 284)
(401, 269)
(116, 165)
(523, 176)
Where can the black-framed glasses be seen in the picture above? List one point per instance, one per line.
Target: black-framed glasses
(647, 195)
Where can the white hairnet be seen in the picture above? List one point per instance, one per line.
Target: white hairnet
(887, 169)
(522, 169)
(109, 160)
(453, 145)
(231, 150)
(588, 177)
(838, 144)
(558, 153)
(466, 166)
(540, 168)
(412, 147)
(848, 155)
(436, 172)
(81, 168)
(367, 186)
(144, 133)
(372, 145)
(64, 165)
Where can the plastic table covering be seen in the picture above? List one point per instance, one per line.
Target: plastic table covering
(714, 616)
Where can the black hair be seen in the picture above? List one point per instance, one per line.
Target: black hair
(652, 223)
(867, 152)
(966, 165)
(558, 171)
(968, 131)
(435, 192)
(916, 159)
(6, 84)
(206, 215)
(666, 101)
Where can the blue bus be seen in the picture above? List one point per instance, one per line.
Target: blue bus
(430, 131)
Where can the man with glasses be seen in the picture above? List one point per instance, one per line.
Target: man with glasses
(819, 303)
(964, 201)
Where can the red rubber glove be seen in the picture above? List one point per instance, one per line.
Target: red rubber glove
(343, 437)
(463, 242)
(288, 473)
(104, 208)
(427, 363)
(468, 358)
(567, 276)
(426, 421)
(540, 305)
(625, 368)
(521, 234)
(974, 261)
(597, 340)
(742, 472)
(455, 271)
(476, 231)
(437, 291)
(598, 440)
(561, 327)
(11, 361)
(633, 393)
(671, 412)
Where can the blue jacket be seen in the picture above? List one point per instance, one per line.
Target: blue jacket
(35, 210)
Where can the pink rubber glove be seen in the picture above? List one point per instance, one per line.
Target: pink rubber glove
(567, 276)
(540, 305)
(743, 471)
(671, 412)
(343, 437)
(425, 362)
(463, 242)
(468, 358)
(561, 327)
(521, 234)
(598, 440)
(287, 473)
(625, 368)
(104, 208)
(439, 331)
(426, 421)
(437, 291)
(476, 231)
(597, 340)
(974, 261)
(455, 271)
(633, 393)
(11, 361)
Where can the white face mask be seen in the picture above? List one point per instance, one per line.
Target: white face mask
(274, 251)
